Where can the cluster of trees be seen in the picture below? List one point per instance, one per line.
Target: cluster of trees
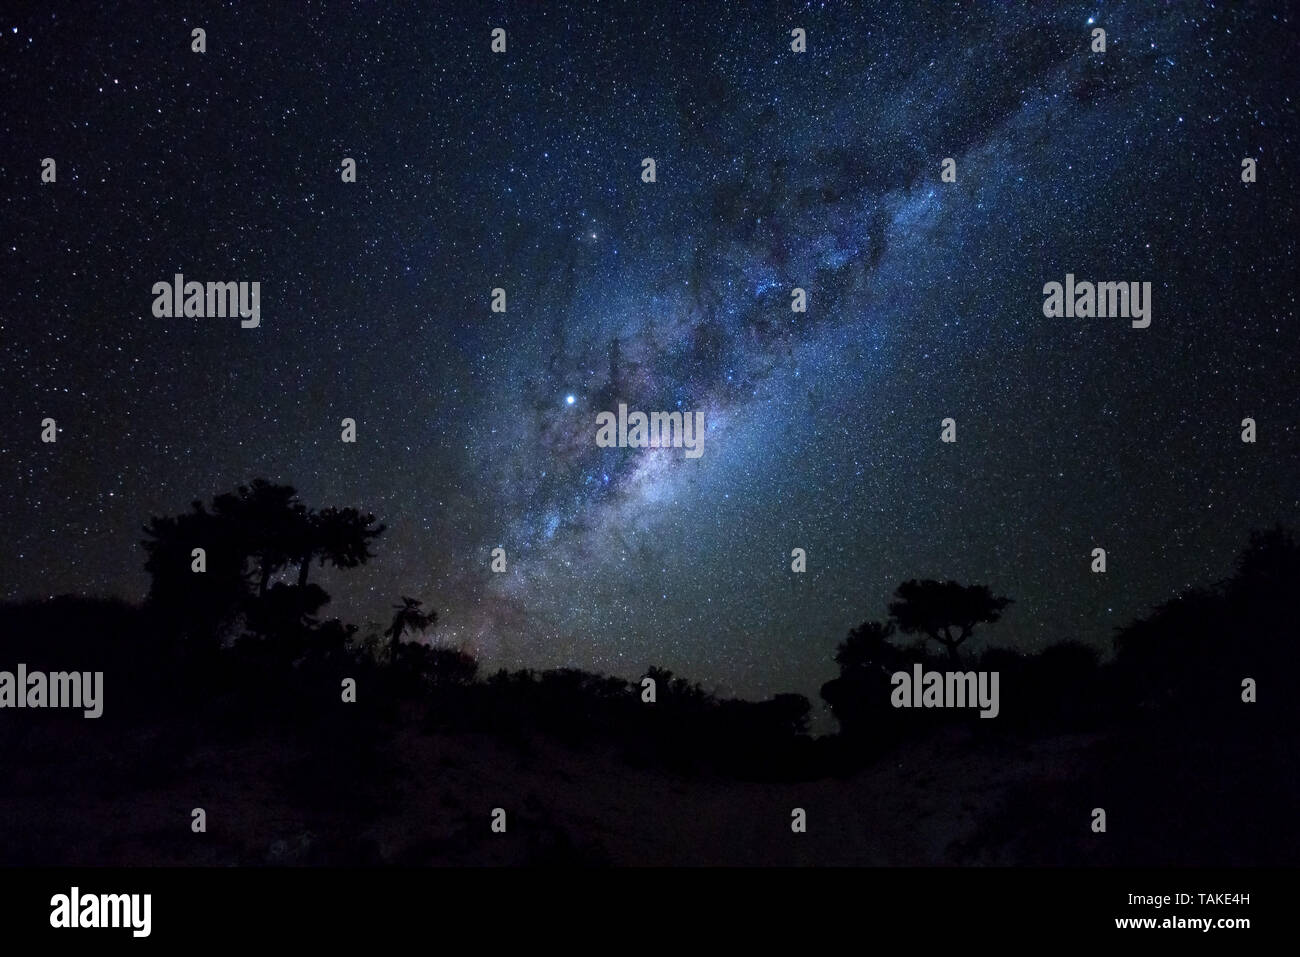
(235, 652)
(233, 576)
(1199, 655)
(212, 568)
(248, 620)
(259, 543)
(944, 612)
(1192, 653)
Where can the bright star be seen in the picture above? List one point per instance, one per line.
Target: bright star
(570, 399)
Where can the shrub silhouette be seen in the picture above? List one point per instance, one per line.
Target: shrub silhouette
(437, 666)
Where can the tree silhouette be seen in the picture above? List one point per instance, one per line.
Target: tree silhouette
(1267, 569)
(340, 536)
(197, 605)
(1175, 656)
(249, 536)
(268, 520)
(409, 617)
(937, 609)
(859, 697)
(867, 648)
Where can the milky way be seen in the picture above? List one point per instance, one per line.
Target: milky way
(775, 170)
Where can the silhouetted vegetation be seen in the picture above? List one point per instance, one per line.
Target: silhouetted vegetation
(944, 611)
(211, 570)
(230, 651)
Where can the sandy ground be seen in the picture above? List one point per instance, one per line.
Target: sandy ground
(432, 804)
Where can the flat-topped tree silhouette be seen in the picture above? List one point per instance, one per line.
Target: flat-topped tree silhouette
(409, 617)
(944, 611)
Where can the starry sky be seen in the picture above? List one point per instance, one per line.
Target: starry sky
(522, 170)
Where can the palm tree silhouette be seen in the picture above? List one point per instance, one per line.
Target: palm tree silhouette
(409, 617)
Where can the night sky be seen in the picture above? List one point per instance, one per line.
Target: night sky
(775, 169)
